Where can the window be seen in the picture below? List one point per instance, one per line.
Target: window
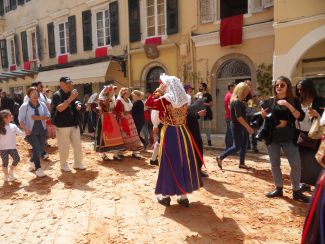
(33, 46)
(64, 38)
(10, 5)
(207, 11)
(229, 8)
(12, 53)
(102, 28)
(156, 19)
(153, 78)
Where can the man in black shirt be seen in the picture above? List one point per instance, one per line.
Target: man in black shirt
(65, 116)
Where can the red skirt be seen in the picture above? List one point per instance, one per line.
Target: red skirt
(129, 133)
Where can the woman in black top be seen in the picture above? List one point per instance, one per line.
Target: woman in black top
(239, 125)
(313, 105)
(285, 109)
(138, 112)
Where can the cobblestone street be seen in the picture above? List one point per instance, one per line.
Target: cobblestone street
(114, 202)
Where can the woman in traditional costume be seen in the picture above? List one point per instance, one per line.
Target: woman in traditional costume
(108, 135)
(127, 127)
(178, 169)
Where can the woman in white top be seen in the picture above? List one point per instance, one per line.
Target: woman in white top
(8, 132)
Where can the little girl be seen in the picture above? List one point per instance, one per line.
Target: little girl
(8, 132)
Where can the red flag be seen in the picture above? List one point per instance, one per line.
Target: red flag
(231, 30)
(63, 59)
(153, 40)
(101, 52)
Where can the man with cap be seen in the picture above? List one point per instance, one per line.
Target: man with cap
(65, 116)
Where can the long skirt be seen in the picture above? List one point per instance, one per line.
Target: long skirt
(130, 134)
(178, 169)
(108, 135)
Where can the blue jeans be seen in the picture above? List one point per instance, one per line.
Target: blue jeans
(228, 137)
(145, 132)
(37, 141)
(206, 125)
(292, 154)
(239, 135)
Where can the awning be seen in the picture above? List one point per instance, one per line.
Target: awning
(15, 74)
(90, 73)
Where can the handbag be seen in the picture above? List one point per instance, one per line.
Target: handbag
(316, 130)
(320, 155)
(305, 141)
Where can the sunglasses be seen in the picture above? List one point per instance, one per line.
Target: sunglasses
(280, 85)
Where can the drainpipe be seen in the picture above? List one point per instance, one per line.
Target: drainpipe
(194, 28)
(128, 45)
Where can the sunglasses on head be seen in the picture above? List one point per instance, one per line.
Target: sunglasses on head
(280, 85)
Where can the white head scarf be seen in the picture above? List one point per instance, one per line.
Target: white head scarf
(175, 93)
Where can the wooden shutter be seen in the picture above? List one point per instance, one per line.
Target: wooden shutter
(39, 43)
(172, 16)
(17, 49)
(134, 21)
(51, 39)
(24, 46)
(13, 4)
(114, 23)
(86, 30)
(72, 34)
(21, 2)
(2, 8)
(4, 53)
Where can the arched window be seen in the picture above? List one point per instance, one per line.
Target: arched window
(153, 78)
(234, 68)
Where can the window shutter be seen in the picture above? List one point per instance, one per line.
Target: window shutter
(39, 43)
(2, 10)
(172, 16)
(72, 34)
(21, 2)
(86, 30)
(4, 54)
(114, 23)
(207, 11)
(17, 49)
(24, 47)
(51, 39)
(13, 4)
(134, 21)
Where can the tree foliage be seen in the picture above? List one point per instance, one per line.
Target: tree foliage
(264, 79)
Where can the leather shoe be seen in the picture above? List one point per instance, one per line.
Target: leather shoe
(154, 162)
(298, 196)
(164, 201)
(219, 162)
(278, 192)
(244, 166)
(118, 157)
(183, 202)
(304, 187)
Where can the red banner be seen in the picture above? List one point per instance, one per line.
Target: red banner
(63, 59)
(231, 30)
(101, 52)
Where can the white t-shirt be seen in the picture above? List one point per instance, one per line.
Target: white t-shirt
(8, 141)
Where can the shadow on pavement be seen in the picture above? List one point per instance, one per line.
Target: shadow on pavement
(78, 180)
(202, 219)
(41, 186)
(7, 190)
(217, 188)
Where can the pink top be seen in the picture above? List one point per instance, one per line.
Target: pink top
(227, 105)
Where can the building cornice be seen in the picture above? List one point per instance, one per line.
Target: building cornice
(60, 13)
(8, 33)
(302, 20)
(249, 32)
(93, 3)
(30, 25)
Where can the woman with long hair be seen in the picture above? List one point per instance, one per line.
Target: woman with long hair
(312, 105)
(239, 125)
(124, 117)
(33, 115)
(286, 110)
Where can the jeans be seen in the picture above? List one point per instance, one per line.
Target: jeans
(37, 141)
(239, 135)
(206, 125)
(292, 154)
(145, 132)
(66, 136)
(228, 137)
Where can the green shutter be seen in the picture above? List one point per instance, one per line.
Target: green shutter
(172, 16)
(86, 30)
(39, 43)
(72, 34)
(51, 39)
(134, 21)
(21, 2)
(17, 49)
(13, 5)
(4, 53)
(24, 46)
(114, 23)
(2, 10)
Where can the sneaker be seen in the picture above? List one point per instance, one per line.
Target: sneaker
(40, 173)
(66, 168)
(11, 176)
(45, 155)
(31, 166)
(79, 166)
(6, 178)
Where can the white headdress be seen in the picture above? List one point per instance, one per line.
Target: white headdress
(175, 93)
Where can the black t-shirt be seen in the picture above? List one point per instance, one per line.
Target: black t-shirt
(207, 98)
(237, 109)
(68, 117)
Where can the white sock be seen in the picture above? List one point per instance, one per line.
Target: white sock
(155, 152)
(183, 196)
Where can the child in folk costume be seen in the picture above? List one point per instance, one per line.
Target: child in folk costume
(108, 135)
(128, 130)
(178, 169)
